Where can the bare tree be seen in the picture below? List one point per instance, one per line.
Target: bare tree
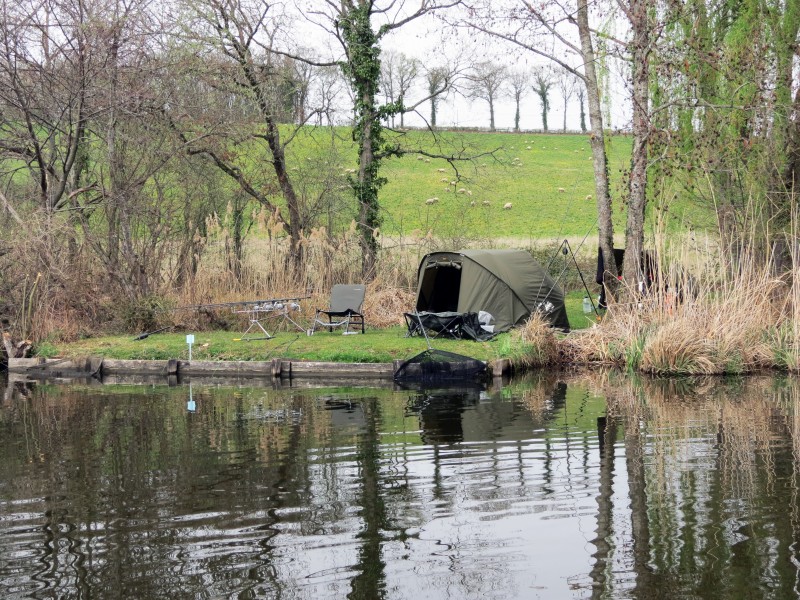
(47, 71)
(329, 86)
(566, 84)
(438, 80)
(519, 81)
(487, 82)
(241, 34)
(398, 73)
(77, 89)
(531, 26)
(640, 47)
(581, 92)
(302, 77)
(542, 83)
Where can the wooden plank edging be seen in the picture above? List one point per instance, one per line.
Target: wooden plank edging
(276, 368)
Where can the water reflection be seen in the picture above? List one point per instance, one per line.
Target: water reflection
(586, 486)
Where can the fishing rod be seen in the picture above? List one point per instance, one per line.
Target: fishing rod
(144, 336)
(272, 301)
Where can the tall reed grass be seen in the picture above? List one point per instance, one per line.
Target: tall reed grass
(724, 318)
(534, 344)
(269, 270)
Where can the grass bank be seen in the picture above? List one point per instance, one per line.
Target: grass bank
(379, 344)
(375, 346)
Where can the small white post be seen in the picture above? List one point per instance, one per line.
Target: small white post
(190, 341)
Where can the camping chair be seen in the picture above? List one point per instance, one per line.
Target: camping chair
(345, 306)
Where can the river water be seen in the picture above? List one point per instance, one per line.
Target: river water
(587, 485)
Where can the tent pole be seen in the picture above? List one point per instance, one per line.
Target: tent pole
(580, 274)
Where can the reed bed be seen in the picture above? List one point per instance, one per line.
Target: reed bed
(716, 323)
(706, 314)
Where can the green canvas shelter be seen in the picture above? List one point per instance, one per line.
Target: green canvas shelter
(508, 284)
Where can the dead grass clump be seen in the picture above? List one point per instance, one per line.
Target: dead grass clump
(674, 348)
(534, 344)
(722, 331)
(384, 306)
(607, 343)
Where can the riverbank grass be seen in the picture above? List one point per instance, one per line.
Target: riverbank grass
(374, 346)
(530, 345)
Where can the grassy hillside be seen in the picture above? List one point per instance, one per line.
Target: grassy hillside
(527, 170)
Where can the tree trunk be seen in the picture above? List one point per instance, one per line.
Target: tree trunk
(606, 436)
(637, 200)
(605, 225)
(583, 113)
(368, 211)
(285, 183)
(787, 119)
(637, 493)
(544, 113)
(363, 71)
(244, 57)
(791, 175)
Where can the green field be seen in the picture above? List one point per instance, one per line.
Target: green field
(548, 179)
(526, 170)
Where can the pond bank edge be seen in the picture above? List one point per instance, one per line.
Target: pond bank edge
(277, 368)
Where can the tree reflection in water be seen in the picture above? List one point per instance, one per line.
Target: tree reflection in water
(584, 485)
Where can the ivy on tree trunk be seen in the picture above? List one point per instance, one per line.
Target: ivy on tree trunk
(363, 69)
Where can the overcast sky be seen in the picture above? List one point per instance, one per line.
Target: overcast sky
(424, 40)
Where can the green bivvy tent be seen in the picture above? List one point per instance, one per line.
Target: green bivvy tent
(508, 284)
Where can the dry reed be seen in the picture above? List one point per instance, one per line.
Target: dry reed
(534, 344)
(269, 270)
(719, 322)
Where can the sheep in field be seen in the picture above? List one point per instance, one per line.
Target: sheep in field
(430, 201)
(589, 197)
(507, 206)
(440, 170)
(561, 190)
(485, 203)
